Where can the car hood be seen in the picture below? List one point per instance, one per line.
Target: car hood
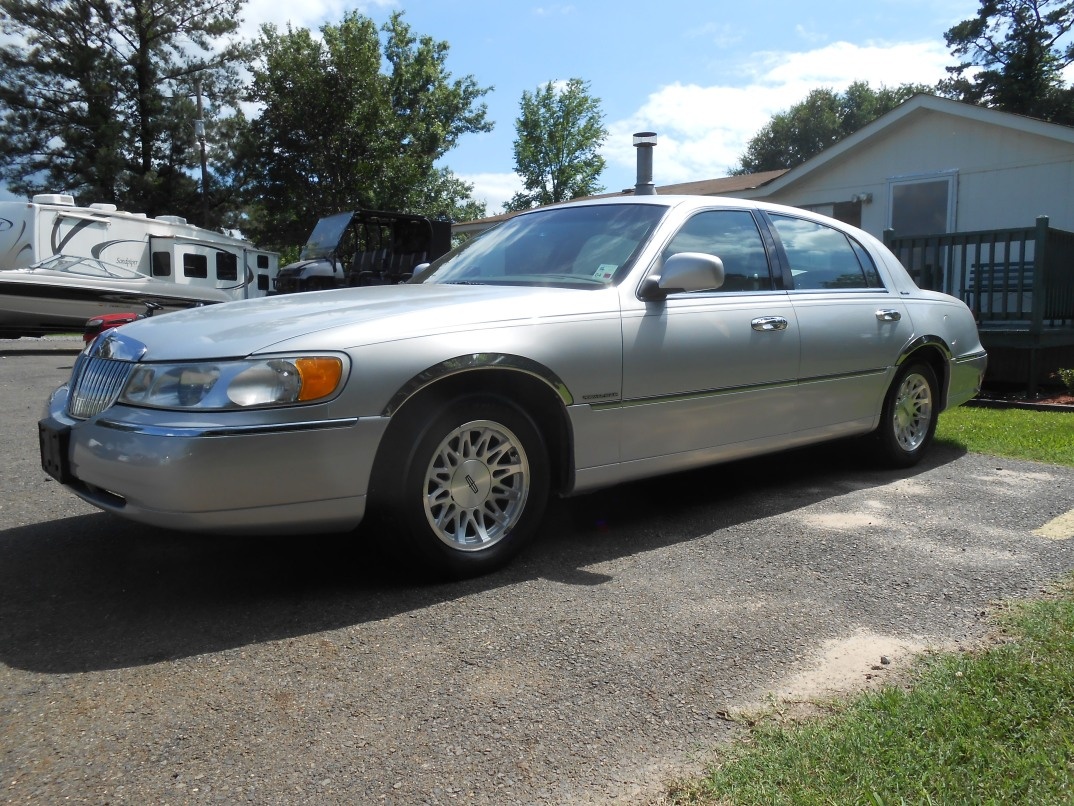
(324, 320)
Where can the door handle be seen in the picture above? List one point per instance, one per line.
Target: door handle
(767, 324)
(888, 315)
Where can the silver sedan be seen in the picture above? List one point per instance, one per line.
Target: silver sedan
(569, 348)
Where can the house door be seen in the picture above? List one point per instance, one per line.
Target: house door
(924, 205)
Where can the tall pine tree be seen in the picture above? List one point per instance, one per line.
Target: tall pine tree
(1013, 54)
(98, 97)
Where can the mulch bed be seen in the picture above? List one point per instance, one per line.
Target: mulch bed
(1048, 400)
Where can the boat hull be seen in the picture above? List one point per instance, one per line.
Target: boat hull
(39, 305)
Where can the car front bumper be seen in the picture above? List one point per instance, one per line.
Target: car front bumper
(225, 477)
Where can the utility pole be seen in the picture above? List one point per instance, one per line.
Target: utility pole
(199, 132)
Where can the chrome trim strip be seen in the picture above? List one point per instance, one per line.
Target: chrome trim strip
(732, 390)
(477, 361)
(842, 376)
(194, 432)
(924, 341)
(970, 357)
(698, 395)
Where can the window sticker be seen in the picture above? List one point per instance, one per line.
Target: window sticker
(605, 271)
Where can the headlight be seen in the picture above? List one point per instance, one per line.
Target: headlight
(235, 384)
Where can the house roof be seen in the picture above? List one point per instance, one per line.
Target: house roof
(916, 107)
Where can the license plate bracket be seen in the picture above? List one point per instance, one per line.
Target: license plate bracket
(55, 440)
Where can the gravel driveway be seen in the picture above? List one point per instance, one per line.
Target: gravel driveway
(142, 666)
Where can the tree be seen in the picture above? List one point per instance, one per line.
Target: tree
(1013, 57)
(560, 132)
(820, 121)
(335, 132)
(97, 97)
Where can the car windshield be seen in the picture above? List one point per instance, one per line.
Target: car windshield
(87, 267)
(326, 236)
(587, 247)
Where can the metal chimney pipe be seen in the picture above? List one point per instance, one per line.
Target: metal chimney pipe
(644, 142)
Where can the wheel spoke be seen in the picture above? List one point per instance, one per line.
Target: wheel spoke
(912, 413)
(476, 485)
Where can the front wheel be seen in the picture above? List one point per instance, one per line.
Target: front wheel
(908, 419)
(473, 486)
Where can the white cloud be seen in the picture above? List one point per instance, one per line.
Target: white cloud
(703, 130)
(493, 188)
(307, 14)
(555, 10)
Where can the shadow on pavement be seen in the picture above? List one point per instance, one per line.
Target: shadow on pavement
(97, 592)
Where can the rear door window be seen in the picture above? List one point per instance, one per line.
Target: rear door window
(822, 257)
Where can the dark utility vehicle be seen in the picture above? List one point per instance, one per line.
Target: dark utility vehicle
(364, 247)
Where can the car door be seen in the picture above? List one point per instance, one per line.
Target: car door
(714, 367)
(852, 328)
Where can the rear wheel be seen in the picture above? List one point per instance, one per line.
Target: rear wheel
(472, 486)
(908, 420)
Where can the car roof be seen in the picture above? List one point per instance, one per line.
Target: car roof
(698, 202)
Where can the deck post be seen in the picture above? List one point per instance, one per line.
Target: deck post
(1036, 324)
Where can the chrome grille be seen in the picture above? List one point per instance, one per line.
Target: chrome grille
(95, 385)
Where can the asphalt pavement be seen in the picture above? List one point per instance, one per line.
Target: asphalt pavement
(139, 665)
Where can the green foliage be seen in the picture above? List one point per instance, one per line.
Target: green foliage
(1067, 377)
(560, 131)
(336, 132)
(1012, 57)
(992, 728)
(97, 97)
(820, 121)
(1040, 436)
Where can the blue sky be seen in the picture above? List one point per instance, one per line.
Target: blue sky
(704, 74)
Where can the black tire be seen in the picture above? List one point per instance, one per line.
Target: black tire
(908, 419)
(471, 488)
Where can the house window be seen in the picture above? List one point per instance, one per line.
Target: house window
(923, 205)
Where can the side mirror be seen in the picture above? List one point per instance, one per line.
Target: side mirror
(685, 271)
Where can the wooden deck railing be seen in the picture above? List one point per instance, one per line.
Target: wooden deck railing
(1021, 278)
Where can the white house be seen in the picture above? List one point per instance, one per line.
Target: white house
(933, 165)
(929, 166)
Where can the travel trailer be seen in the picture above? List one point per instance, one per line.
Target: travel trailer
(61, 264)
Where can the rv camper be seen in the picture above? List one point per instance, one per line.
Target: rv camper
(61, 264)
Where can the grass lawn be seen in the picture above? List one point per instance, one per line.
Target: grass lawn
(1041, 436)
(996, 726)
(993, 727)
